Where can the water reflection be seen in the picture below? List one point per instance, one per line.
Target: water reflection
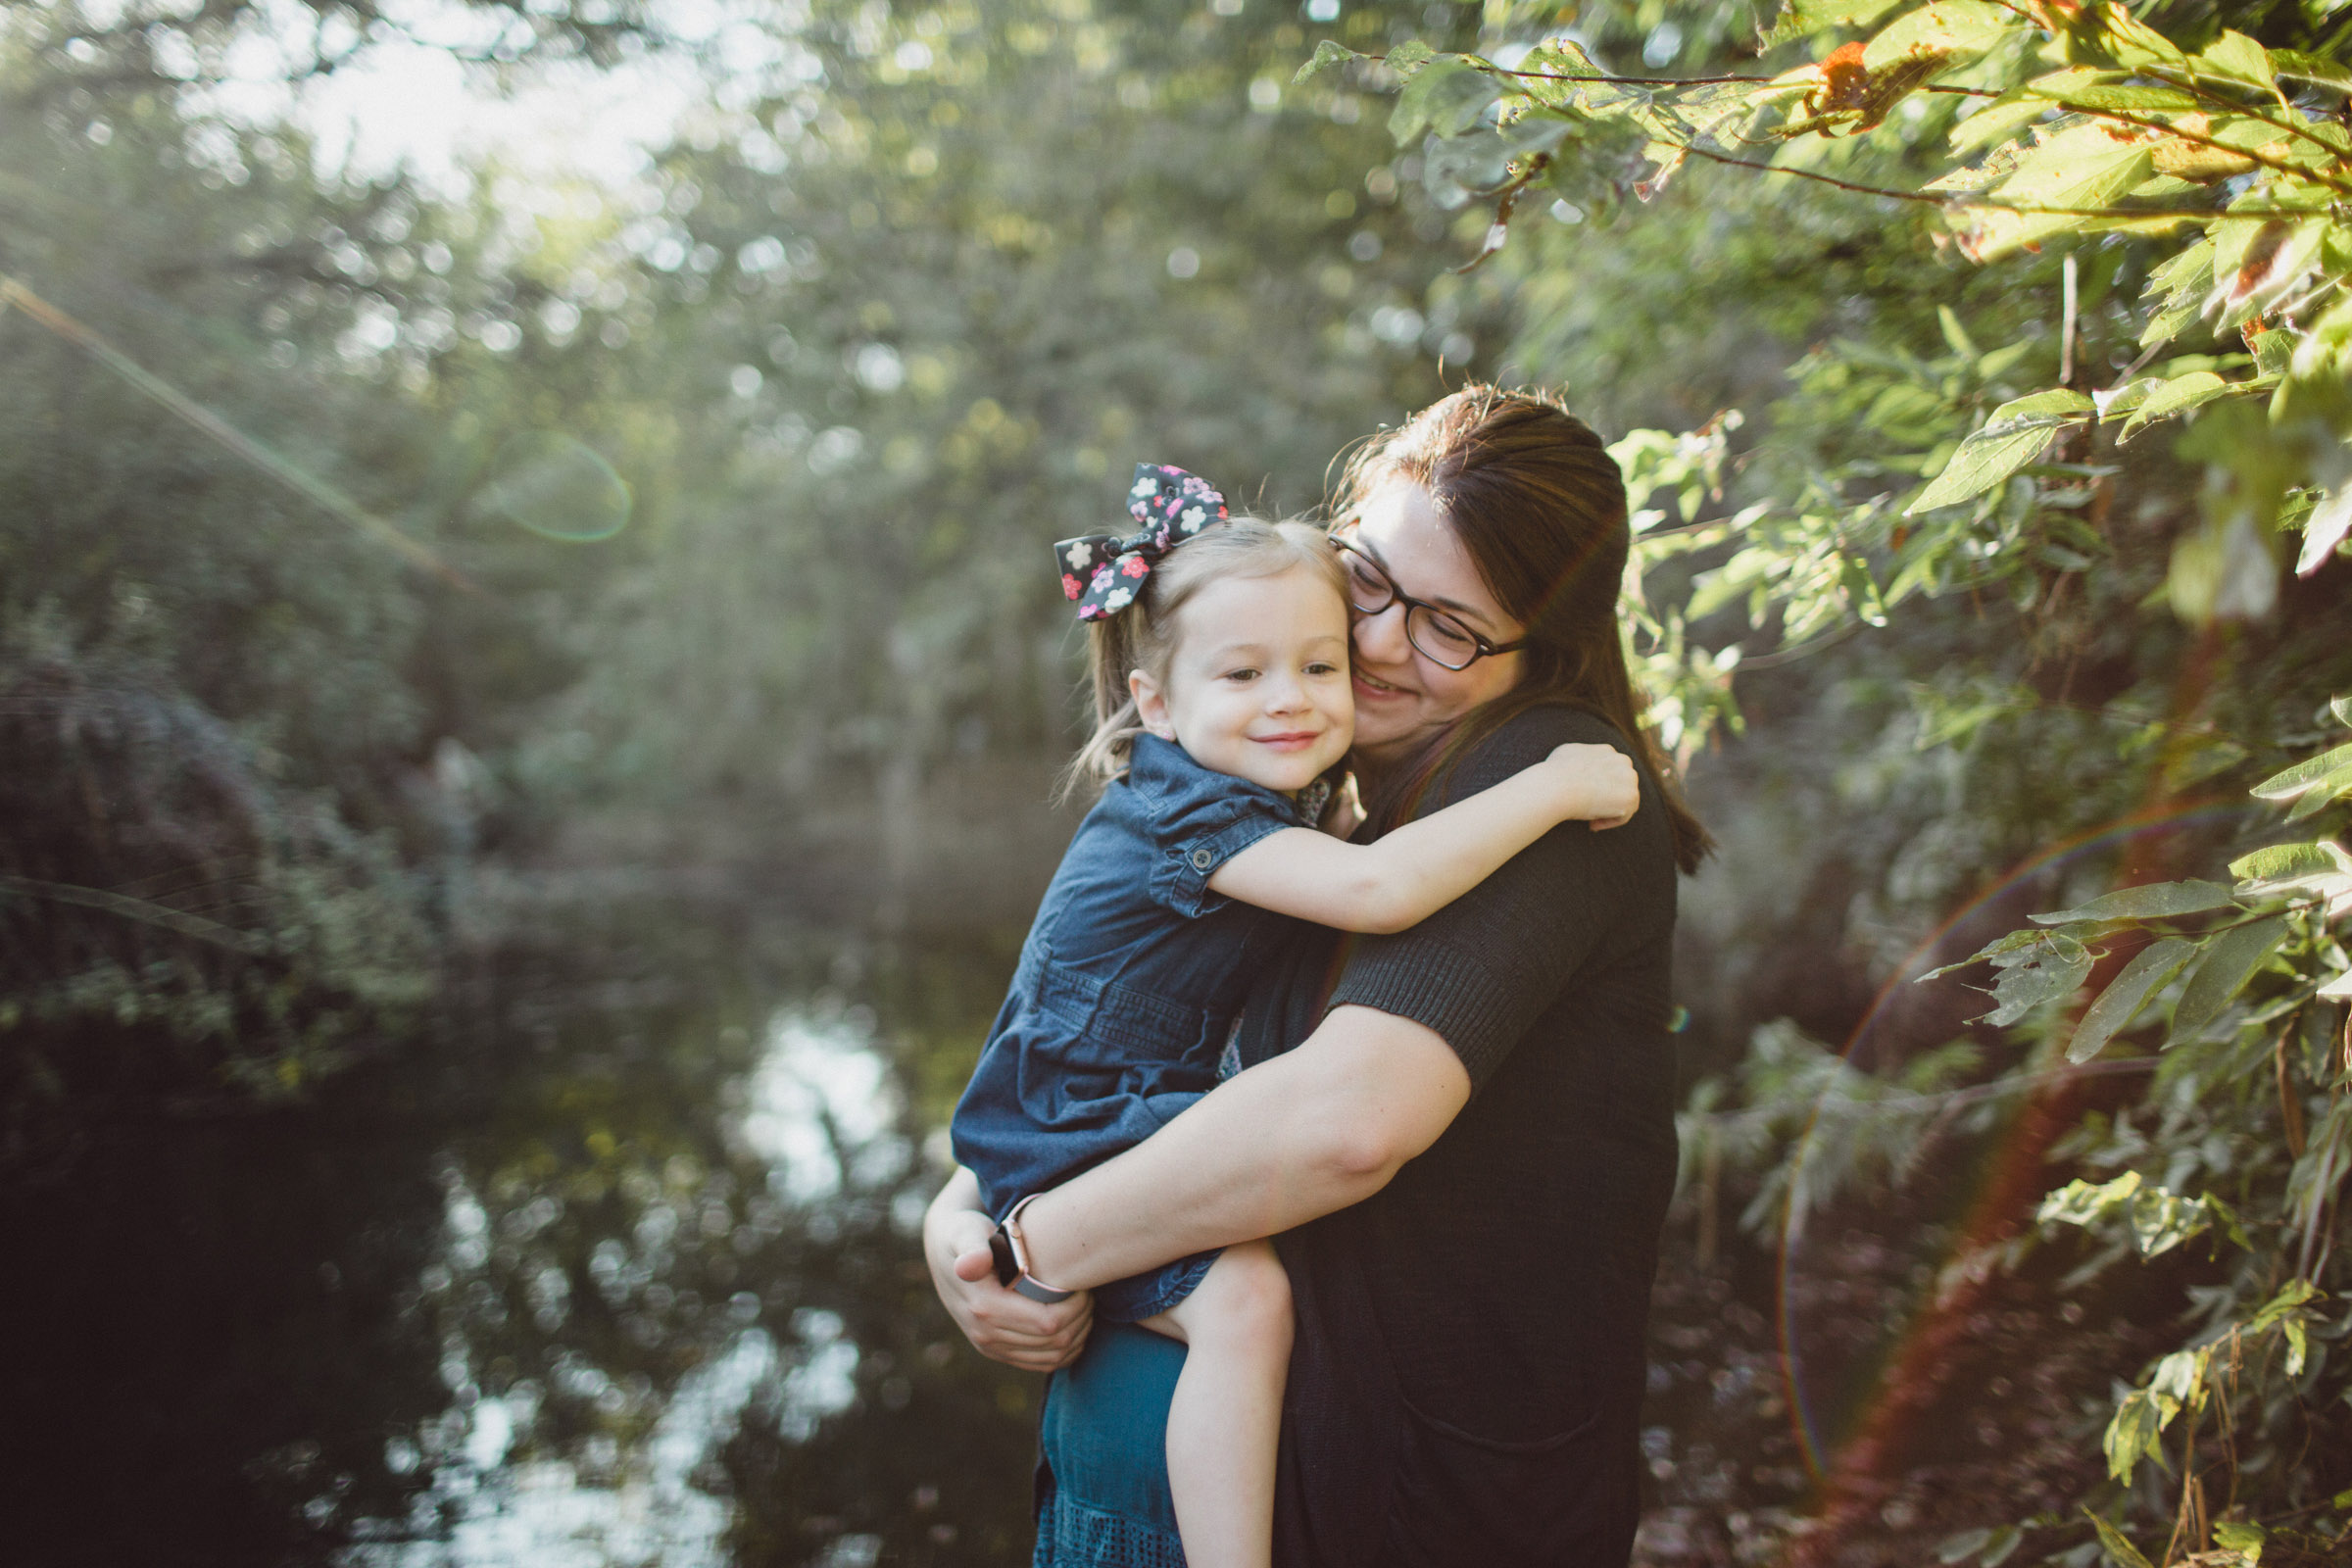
(621, 1270)
(589, 1463)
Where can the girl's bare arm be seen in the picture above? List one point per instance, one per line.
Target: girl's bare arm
(1416, 870)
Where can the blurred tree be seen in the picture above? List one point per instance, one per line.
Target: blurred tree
(912, 314)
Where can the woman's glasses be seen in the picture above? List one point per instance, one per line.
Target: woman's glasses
(1438, 637)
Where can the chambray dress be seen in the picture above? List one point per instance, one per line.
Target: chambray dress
(1126, 991)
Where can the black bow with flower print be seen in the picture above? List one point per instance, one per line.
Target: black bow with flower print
(1105, 573)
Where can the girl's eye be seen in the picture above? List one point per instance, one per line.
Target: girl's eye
(1241, 674)
(1322, 666)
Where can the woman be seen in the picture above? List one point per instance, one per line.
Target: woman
(1461, 1133)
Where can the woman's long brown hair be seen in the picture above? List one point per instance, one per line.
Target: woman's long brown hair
(1540, 504)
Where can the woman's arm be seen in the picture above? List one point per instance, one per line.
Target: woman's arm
(1002, 1324)
(1290, 1140)
(1416, 1020)
(1416, 870)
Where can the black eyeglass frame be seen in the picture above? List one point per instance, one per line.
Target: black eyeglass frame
(1484, 648)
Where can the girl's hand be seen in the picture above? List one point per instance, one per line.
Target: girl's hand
(1598, 784)
(1002, 1324)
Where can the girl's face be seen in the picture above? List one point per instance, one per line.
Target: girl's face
(1402, 693)
(1257, 687)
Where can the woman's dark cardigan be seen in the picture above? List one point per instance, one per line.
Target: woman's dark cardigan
(1468, 1377)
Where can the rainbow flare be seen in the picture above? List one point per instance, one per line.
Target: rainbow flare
(2008, 1181)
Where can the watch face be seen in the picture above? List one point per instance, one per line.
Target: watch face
(1000, 1251)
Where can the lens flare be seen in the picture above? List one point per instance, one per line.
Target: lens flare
(556, 487)
(1918, 1357)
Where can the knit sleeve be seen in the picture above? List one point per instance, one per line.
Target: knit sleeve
(1482, 970)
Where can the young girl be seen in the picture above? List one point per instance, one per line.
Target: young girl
(1219, 653)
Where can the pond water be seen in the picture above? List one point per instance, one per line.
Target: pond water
(614, 1264)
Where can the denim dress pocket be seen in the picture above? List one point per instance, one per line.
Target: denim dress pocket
(1104, 1024)
(1459, 1499)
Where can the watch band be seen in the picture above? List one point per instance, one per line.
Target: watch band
(1010, 1255)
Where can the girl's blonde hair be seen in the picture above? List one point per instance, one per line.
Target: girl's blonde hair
(1143, 636)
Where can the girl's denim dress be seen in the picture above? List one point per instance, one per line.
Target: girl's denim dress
(1127, 987)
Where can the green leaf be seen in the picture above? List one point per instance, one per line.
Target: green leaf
(1954, 333)
(2134, 43)
(2341, 708)
(2154, 901)
(2324, 793)
(2135, 1431)
(2005, 1543)
(2310, 68)
(1408, 56)
(2229, 961)
(1996, 948)
(2324, 527)
(1984, 461)
(2176, 396)
(2298, 1346)
(2058, 405)
(2029, 980)
(2127, 99)
(2149, 970)
(1329, 52)
(2305, 775)
(2178, 1376)
(2227, 1217)
(2287, 1303)
(2012, 438)
(2188, 272)
(1999, 120)
(1801, 19)
(2162, 1220)
(1478, 160)
(2236, 56)
(2081, 1202)
(2233, 1534)
(1953, 28)
(2059, 173)
(1445, 96)
(2282, 862)
(2302, 871)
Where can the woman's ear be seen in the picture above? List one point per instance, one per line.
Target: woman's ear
(1151, 705)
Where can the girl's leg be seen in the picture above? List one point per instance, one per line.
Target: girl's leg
(1227, 1414)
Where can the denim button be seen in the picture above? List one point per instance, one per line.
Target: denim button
(1202, 860)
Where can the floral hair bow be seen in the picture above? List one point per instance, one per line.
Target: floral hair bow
(1105, 573)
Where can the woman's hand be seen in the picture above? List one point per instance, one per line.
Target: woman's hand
(1002, 1324)
(1599, 784)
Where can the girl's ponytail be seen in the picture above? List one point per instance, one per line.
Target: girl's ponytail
(1110, 652)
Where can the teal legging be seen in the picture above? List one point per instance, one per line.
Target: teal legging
(1102, 1495)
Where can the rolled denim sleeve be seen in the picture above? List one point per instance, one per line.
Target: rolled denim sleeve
(1196, 820)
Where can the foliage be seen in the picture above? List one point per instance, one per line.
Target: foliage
(1981, 375)
(1946, 449)
(899, 336)
(709, 495)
